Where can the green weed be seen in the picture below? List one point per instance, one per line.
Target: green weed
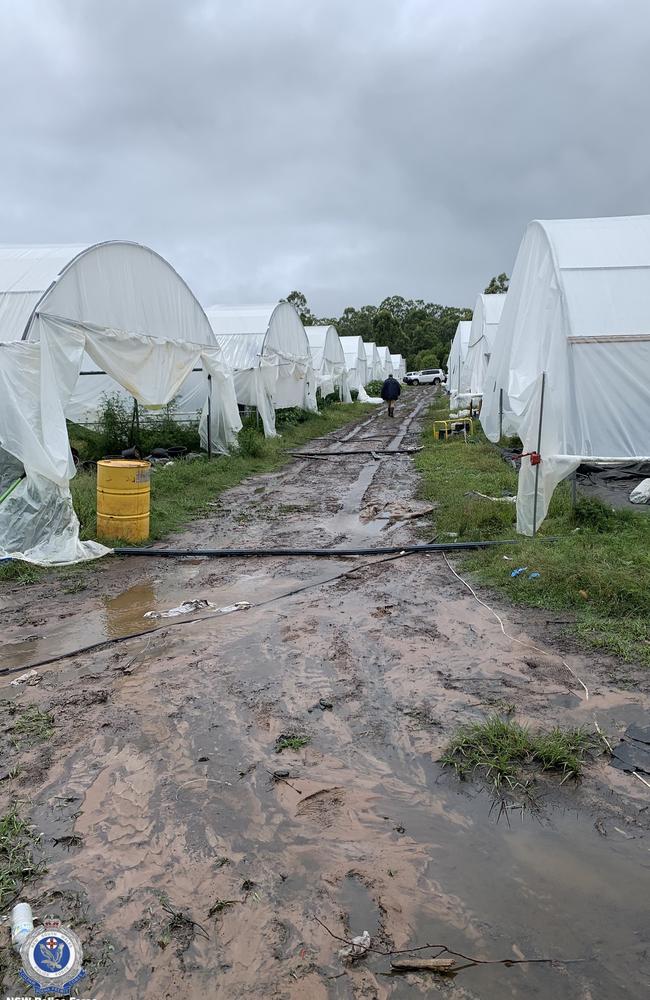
(19, 573)
(252, 442)
(220, 905)
(17, 864)
(33, 726)
(291, 741)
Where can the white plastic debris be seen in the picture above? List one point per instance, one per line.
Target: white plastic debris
(26, 678)
(187, 607)
(357, 948)
(641, 493)
(22, 924)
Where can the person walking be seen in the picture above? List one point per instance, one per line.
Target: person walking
(390, 391)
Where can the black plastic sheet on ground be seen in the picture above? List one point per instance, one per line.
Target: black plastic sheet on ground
(633, 752)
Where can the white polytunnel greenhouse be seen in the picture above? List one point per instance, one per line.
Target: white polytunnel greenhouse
(482, 336)
(114, 308)
(375, 367)
(355, 361)
(458, 384)
(399, 366)
(328, 360)
(386, 363)
(267, 348)
(570, 372)
(357, 366)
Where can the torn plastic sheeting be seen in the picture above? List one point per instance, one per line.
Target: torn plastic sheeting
(187, 607)
(37, 520)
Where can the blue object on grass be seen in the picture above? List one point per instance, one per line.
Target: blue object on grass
(533, 576)
(519, 571)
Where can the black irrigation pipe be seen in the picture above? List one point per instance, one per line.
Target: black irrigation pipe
(337, 454)
(318, 553)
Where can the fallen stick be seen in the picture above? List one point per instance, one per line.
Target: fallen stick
(443, 965)
(442, 948)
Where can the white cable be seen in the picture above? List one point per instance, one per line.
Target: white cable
(521, 642)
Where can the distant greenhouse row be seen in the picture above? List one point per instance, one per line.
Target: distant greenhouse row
(79, 324)
(563, 359)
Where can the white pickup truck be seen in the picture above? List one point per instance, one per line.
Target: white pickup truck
(428, 376)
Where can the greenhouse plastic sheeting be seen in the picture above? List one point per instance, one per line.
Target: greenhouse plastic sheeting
(266, 347)
(37, 379)
(386, 363)
(373, 361)
(328, 360)
(399, 366)
(482, 337)
(458, 383)
(115, 285)
(578, 310)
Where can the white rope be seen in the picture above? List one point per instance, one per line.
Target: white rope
(521, 642)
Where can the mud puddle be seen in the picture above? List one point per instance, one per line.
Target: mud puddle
(255, 771)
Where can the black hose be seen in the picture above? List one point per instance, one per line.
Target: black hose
(318, 553)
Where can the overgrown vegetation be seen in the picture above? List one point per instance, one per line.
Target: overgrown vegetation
(504, 753)
(598, 569)
(120, 426)
(17, 864)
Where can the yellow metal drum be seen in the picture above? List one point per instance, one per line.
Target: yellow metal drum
(123, 494)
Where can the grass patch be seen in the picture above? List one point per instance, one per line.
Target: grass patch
(33, 726)
(500, 752)
(598, 570)
(17, 865)
(291, 741)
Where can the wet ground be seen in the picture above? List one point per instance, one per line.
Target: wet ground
(189, 870)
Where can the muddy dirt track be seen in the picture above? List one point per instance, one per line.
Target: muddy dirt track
(159, 776)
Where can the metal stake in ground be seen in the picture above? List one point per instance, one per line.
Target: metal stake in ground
(539, 451)
(500, 413)
(209, 416)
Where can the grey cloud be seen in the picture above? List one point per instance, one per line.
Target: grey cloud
(352, 150)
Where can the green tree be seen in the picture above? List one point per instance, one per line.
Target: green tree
(498, 284)
(299, 301)
(426, 359)
(386, 331)
(410, 327)
(357, 322)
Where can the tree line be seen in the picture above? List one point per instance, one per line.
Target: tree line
(420, 331)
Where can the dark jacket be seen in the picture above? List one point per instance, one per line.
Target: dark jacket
(390, 389)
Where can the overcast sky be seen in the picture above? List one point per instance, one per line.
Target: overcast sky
(351, 149)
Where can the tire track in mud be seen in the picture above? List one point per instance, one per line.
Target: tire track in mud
(162, 764)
